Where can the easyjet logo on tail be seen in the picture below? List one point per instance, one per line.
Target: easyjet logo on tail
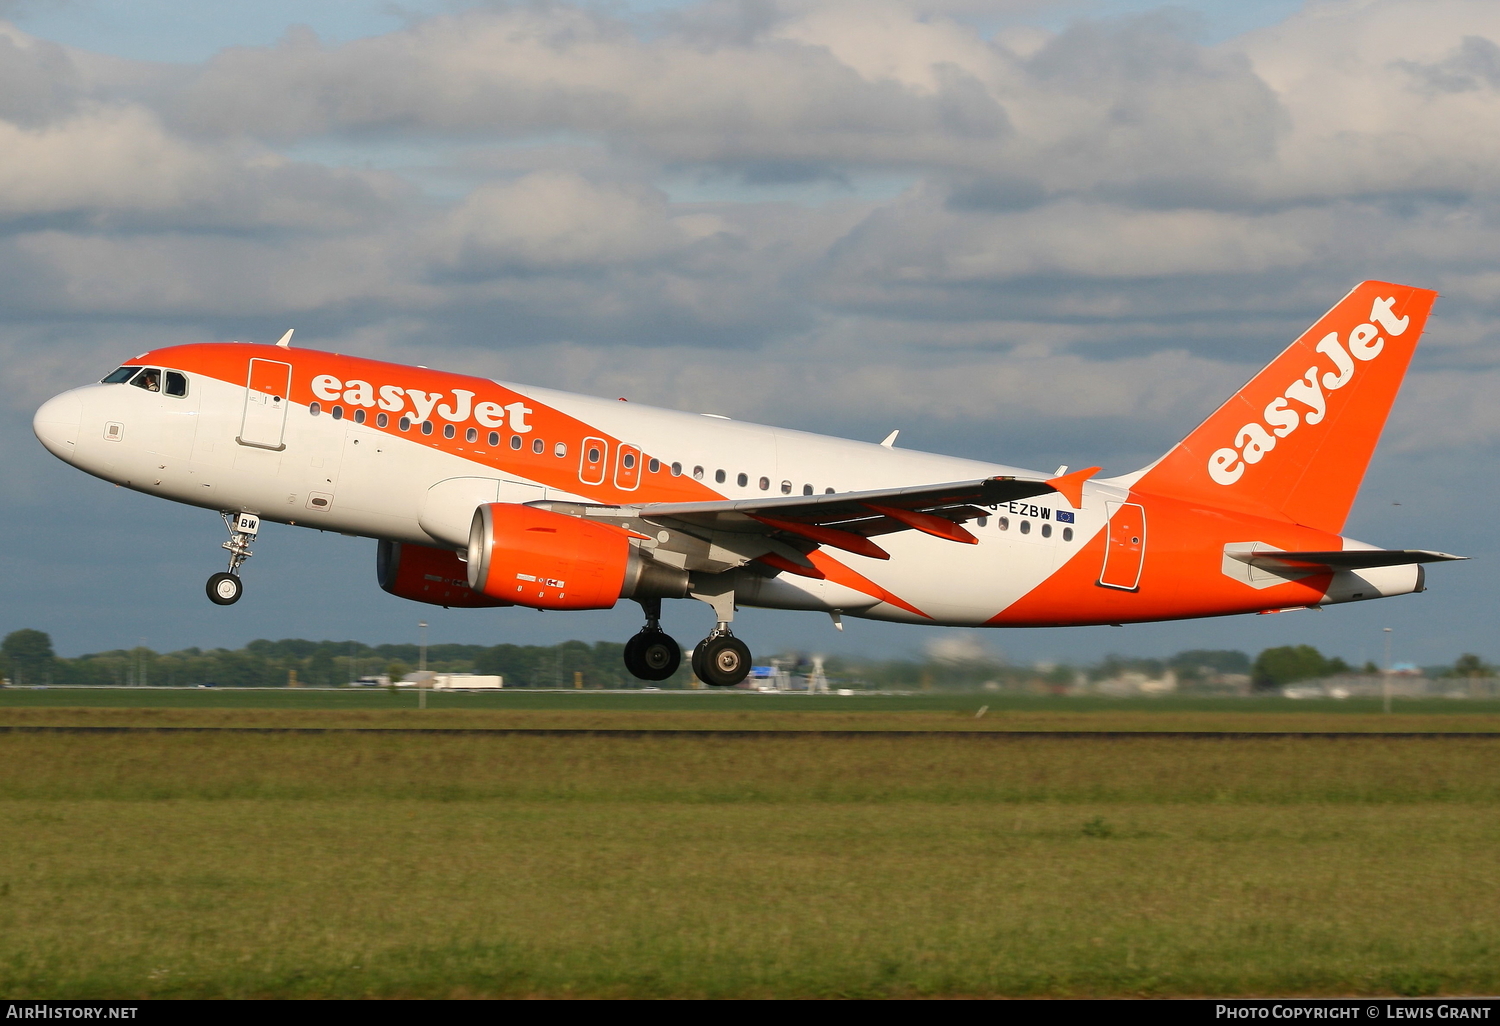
(1253, 441)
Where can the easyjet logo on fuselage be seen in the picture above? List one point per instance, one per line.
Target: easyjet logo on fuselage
(394, 399)
(1253, 441)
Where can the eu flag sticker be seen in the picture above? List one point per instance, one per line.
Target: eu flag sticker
(1064, 517)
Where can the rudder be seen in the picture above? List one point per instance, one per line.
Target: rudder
(1296, 440)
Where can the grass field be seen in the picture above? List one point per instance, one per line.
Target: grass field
(227, 864)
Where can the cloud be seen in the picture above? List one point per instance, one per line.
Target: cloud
(1111, 220)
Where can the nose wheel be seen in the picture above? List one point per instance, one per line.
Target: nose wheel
(225, 588)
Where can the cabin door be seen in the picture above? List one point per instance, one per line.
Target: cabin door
(1125, 550)
(266, 401)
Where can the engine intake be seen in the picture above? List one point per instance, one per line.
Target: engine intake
(545, 560)
(425, 574)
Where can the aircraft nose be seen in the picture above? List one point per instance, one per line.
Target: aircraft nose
(56, 424)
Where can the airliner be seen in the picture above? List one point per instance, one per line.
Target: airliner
(485, 493)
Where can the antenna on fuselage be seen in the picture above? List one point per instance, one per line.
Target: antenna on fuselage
(286, 340)
(890, 439)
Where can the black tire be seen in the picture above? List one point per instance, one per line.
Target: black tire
(696, 660)
(224, 589)
(724, 662)
(660, 655)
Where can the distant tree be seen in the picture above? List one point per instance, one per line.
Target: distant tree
(320, 667)
(1369, 667)
(1470, 665)
(29, 653)
(1290, 663)
(1192, 664)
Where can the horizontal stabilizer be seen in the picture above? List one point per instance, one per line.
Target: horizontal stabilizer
(1341, 559)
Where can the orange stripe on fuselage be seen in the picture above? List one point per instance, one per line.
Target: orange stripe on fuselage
(229, 362)
(838, 573)
(1182, 575)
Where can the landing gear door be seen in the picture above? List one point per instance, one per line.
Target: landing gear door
(1125, 549)
(266, 401)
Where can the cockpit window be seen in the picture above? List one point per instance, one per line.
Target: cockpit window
(176, 383)
(149, 378)
(118, 376)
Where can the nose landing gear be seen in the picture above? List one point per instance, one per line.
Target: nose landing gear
(652, 654)
(225, 589)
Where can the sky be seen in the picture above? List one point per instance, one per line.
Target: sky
(1036, 233)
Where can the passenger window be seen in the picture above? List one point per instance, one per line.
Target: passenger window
(176, 384)
(314, 407)
(426, 427)
(515, 441)
(494, 438)
(653, 466)
(404, 423)
(359, 415)
(448, 431)
(827, 491)
(786, 488)
(471, 435)
(149, 378)
(807, 489)
(765, 484)
(1005, 523)
(560, 449)
(118, 377)
(1046, 530)
(338, 413)
(381, 420)
(538, 446)
(983, 521)
(719, 477)
(676, 469)
(742, 480)
(1067, 534)
(697, 473)
(1026, 527)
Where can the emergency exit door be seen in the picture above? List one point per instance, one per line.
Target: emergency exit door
(1125, 548)
(266, 401)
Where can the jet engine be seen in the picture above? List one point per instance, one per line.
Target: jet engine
(545, 560)
(425, 574)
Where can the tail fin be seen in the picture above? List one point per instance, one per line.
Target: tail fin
(1296, 440)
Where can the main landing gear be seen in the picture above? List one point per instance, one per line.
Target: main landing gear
(652, 654)
(225, 589)
(720, 660)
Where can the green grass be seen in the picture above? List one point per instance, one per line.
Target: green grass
(418, 865)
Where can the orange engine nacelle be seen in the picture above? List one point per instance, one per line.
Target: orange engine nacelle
(425, 574)
(534, 557)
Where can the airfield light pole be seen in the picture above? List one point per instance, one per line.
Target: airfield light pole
(1385, 683)
(422, 668)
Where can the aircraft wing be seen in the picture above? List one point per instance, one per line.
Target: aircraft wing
(1342, 559)
(848, 520)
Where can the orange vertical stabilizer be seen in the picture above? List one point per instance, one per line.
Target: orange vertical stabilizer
(1294, 443)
